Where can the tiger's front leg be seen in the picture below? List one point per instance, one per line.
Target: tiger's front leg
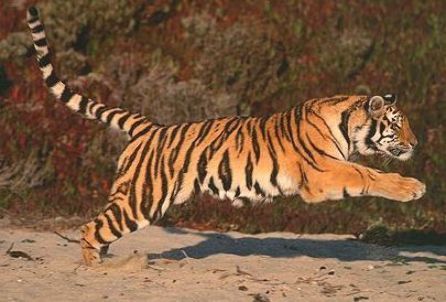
(342, 179)
(396, 187)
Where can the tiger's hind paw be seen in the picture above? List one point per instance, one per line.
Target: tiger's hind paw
(91, 255)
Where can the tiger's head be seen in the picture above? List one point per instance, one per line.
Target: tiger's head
(388, 130)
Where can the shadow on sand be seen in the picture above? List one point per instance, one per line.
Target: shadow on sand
(276, 247)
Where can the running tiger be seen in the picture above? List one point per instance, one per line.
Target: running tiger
(303, 151)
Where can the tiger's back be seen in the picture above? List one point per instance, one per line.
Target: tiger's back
(304, 151)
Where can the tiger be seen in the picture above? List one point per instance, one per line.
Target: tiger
(304, 151)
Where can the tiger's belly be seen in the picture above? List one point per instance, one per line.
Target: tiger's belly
(257, 190)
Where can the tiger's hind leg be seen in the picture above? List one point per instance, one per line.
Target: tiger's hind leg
(117, 219)
(139, 197)
(122, 216)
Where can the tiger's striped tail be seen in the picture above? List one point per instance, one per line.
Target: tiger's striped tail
(114, 117)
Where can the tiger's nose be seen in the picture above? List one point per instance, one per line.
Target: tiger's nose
(413, 142)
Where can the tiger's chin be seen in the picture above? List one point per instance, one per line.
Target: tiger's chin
(400, 154)
(395, 153)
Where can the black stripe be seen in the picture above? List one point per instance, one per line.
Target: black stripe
(217, 143)
(255, 144)
(100, 111)
(293, 141)
(275, 171)
(284, 119)
(381, 128)
(173, 134)
(112, 115)
(248, 172)
(146, 169)
(237, 192)
(172, 158)
(219, 140)
(277, 134)
(83, 105)
(202, 165)
(224, 171)
(39, 28)
(130, 160)
(262, 126)
(142, 132)
(318, 150)
(131, 225)
(178, 185)
(368, 139)
(171, 163)
(305, 149)
(259, 190)
(289, 128)
(231, 125)
(136, 125)
(179, 144)
(41, 42)
(239, 139)
(331, 136)
(332, 101)
(367, 105)
(44, 61)
(164, 191)
(197, 188)
(303, 178)
(123, 119)
(112, 227)
(295, 118)
(204, 131)
(66, 95)
(104, 250)
(162, 138)
(52, 79)
(138, 169)
(90, 108)
(33, 11)
(248, 124)
(343, 126)
(311, 161)
(212, 186)
(187, 159)
(98, 225)
(147, 200)
(117, 214)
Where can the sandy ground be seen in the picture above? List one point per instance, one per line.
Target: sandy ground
(170, 264)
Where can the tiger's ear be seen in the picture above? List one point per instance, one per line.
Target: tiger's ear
(376, 106)
(390, 98)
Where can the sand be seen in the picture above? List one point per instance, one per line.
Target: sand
(172, 264)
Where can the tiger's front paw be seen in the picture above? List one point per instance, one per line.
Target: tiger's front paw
(407, 189)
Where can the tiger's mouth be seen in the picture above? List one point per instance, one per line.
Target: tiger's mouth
(400, 153)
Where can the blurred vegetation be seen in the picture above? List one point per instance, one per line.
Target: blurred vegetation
(189, 60)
